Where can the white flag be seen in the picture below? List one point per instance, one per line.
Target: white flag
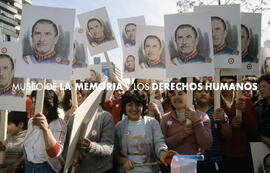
(185, 163)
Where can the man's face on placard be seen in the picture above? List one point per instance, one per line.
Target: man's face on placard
(130, 63)
(186, 40)
(219, 33)
(6, 71)
(267, 65)
(93, 76)
(244, 39)
(44, 38)
(152, 48)
(131, 33)
(96, 29)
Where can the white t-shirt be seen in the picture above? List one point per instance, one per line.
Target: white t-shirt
(136, 143)
(34, 143)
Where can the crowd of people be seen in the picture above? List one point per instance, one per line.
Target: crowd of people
(129, 130)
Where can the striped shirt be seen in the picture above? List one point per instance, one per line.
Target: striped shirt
(214, 154)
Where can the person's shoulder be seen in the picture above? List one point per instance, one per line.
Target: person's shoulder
(150, 120)
(120, 125)
(105, 115)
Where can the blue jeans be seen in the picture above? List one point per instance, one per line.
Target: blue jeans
(38, 168)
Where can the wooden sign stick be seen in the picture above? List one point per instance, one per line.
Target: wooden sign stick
(109, 63)
(40, 99)
(82, 135)
(74, 99)
(152, 92)
(189, 98)
(239, 95)
(3, 123)
(217, 93)
(3, 132)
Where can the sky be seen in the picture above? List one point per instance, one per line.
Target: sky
(153, 10)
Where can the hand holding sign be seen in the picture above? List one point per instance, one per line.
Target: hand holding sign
(191, 115)
(84, 145)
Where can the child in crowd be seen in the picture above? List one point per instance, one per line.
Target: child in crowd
(17, 125)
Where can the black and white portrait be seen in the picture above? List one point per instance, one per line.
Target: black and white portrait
(99, 32)
(250, 45)
(127, 28)
(150, 59)
(46, 40)
(226, 34)
(11, 88)
(80, 56)
(188, 42)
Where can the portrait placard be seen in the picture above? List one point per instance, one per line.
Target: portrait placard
(46, 41)
(188, 42)
(12, 90)
(265, 60)
(250, 45)
(99, 33)
(129, 63)
(94, 73)
(127, 29)
(226, 33)
(150, 55)
(80, 55)
(260, 157)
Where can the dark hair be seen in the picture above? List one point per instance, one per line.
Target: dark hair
(94, 19)
(176, 81)
(50, 104)
(264, 77)
(94, 71)
(266, 157)
(203, 84)
(220, 19)
(138, 97)
(7, 56)
(228, 77)
(17, 117)
(45, 21)
(186, 26)
(131, 57)
(246, 29)
(129, 25)
(151, 36)
(66, 100)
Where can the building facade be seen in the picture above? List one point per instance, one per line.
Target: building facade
(10, 18)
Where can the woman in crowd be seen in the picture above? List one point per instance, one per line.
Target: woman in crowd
(185, 138)
(45, 137)
(262, 109)
(138, 138)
